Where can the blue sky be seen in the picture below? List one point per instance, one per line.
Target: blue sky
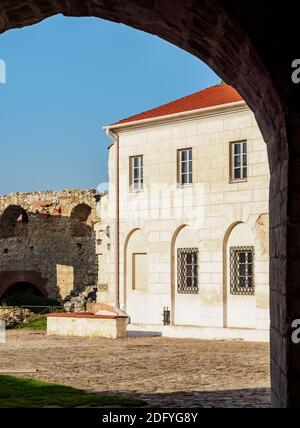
(68, 77)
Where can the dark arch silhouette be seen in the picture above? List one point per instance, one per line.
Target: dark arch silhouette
(13, 222)
(22, 288)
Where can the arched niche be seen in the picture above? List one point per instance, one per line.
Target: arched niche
(79, 219)
(185, 300)
(136, 274)
(14, 221)
(239, 303)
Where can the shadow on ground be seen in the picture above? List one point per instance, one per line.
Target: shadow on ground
(21, 393)
(237, 398)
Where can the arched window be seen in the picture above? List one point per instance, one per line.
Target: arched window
(79, 220)
(185, 273)
(14, 222)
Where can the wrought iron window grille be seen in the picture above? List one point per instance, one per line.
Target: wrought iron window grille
(187, 271)
(242, 271)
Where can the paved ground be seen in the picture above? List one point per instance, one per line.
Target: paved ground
(164, 372)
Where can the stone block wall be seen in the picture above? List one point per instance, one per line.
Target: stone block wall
(156, 222)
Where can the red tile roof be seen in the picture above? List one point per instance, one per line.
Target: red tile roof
(210, 97)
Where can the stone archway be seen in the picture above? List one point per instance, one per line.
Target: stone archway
(233, 41)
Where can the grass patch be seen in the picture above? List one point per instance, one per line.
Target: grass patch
(21, 393)
(38, 322)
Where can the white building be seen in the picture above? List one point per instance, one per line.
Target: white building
(184, 226)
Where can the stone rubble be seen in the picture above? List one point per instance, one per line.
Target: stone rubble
(14, 315)
(78, 299)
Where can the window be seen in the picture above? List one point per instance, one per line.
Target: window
(187, 270)
(136, 173)
(185, 167)
(238, 160)
(242, 270)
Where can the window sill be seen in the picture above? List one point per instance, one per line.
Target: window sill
(188, 292)
(136, 190)
(183, 186)
(243, 180)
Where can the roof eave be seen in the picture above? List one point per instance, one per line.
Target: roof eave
(207, 111)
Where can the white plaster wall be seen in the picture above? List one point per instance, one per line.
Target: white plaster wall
(209, 207)
(206, 307)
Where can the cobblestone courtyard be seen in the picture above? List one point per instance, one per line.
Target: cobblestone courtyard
(164, 372)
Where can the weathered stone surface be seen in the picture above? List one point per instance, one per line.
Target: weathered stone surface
(262, 227)
(13, 316)
(47, 239)
(78, 300)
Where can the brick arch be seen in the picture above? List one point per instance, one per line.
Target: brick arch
(7, 279)
(205, 29)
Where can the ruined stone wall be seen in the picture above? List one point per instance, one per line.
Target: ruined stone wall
(47, 239)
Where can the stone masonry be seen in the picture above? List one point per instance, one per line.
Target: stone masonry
(258, 63)
(47, 240)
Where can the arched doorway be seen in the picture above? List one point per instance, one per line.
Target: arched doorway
(219, 33)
